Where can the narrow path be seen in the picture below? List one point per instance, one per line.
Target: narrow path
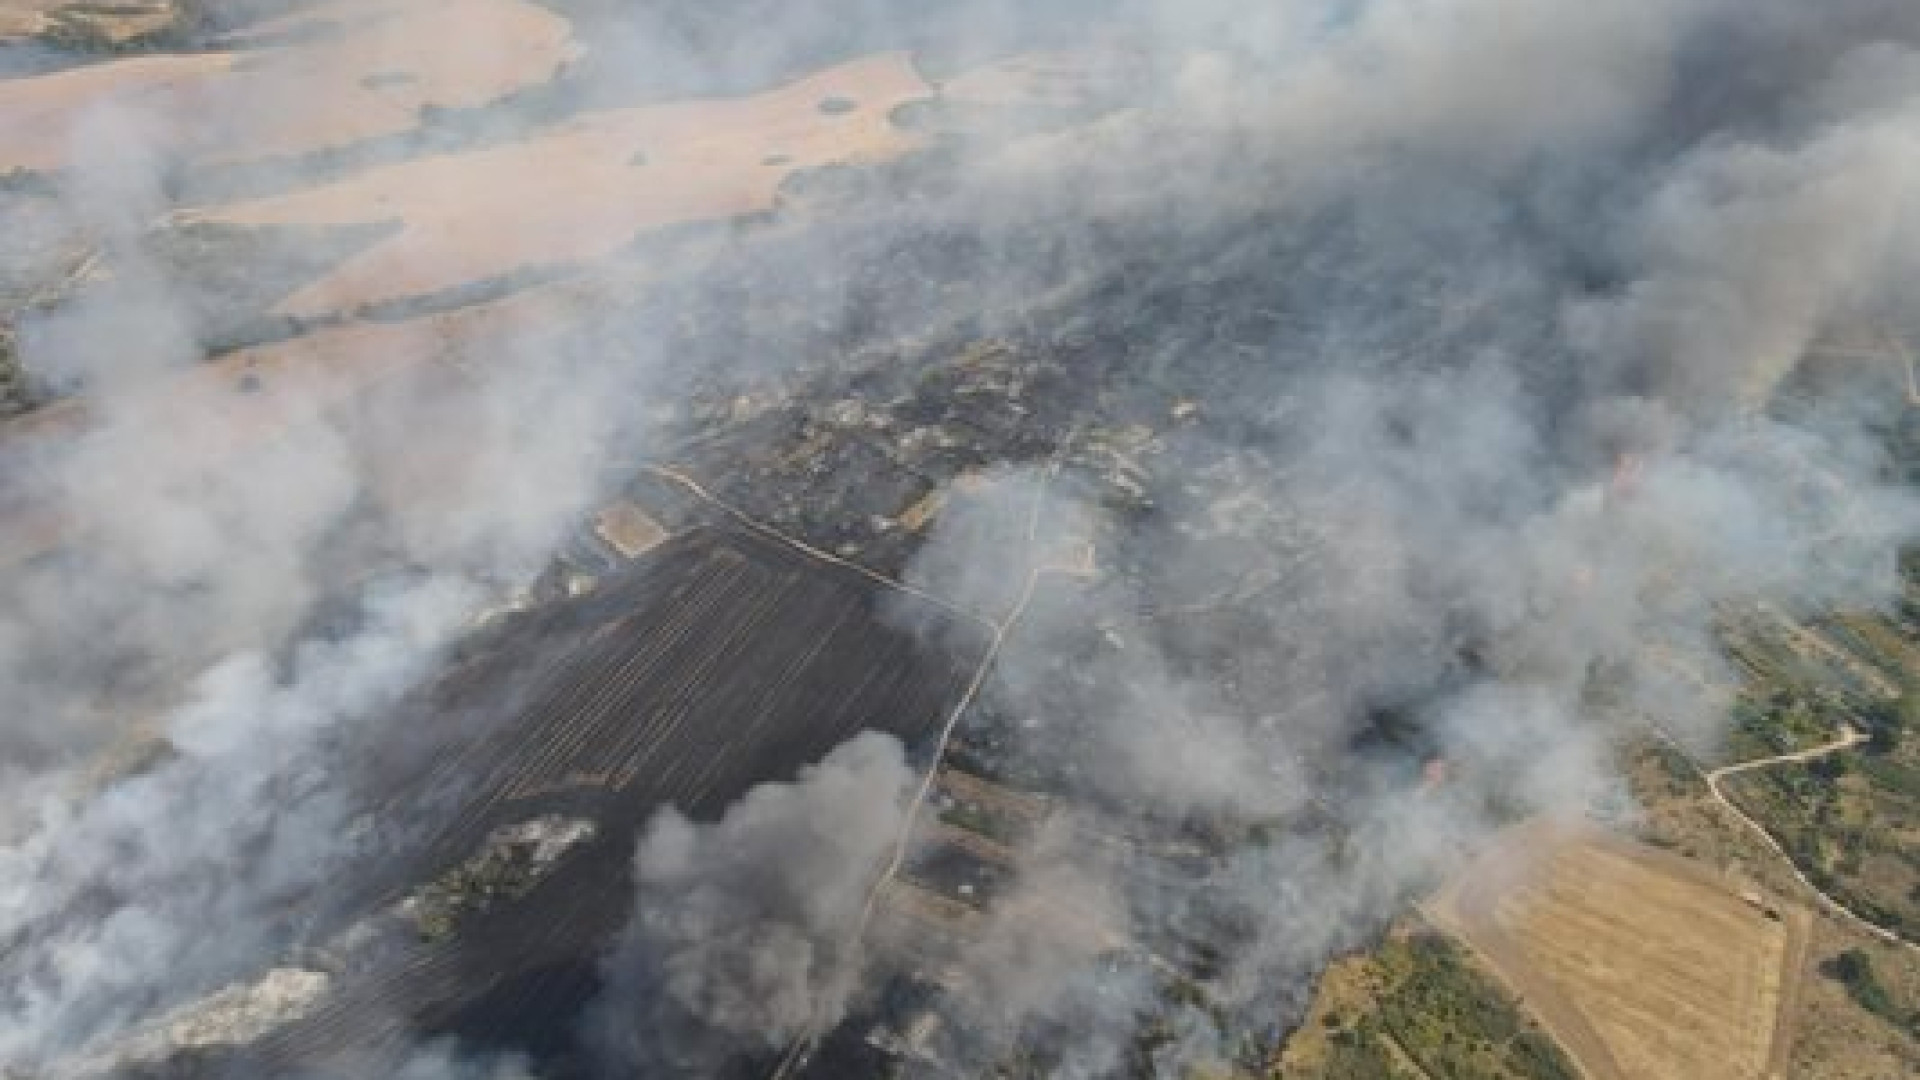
(802, 1047)
(1848, 738)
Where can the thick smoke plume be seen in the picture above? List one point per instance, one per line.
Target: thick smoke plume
(749, 925)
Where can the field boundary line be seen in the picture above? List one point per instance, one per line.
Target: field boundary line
(698, 491)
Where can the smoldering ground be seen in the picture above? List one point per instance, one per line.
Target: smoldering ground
(746, 930)
(1427, 274)
(1429, 452)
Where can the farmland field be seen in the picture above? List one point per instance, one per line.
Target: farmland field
(1640, 963)
(352, 76)
(719, 662)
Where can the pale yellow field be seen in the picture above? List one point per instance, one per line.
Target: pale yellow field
(585, 189)
(364, 75)
(629, 530)
(574, 193)
(1643, 965)
(50, 119)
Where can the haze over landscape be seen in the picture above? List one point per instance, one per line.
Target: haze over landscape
(1103, 538)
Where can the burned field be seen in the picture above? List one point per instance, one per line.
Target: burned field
(725, 658)
(1250, 552)
(720, 661)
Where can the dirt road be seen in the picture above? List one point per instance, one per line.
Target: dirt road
(1848, 739)
(1638, 962)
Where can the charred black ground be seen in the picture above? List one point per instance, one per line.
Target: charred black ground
(721, 661)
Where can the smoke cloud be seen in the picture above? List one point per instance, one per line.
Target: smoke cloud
(748, 926)
(1422, 366)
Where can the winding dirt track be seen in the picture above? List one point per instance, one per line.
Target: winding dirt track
(584, 190)
(1466, 907)
(1847, 740)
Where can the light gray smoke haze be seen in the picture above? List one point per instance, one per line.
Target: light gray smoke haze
(1478, 306)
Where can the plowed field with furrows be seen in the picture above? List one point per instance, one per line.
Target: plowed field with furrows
(720, 661)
